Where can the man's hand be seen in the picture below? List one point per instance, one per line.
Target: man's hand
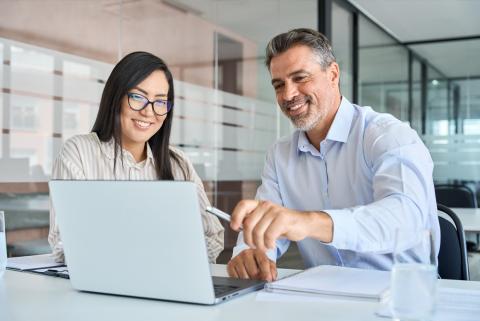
(252, 264)
(264, 222)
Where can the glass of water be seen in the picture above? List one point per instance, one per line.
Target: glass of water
(3, 245)
(414, 276)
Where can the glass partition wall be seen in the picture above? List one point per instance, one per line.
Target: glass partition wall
(383, 71)
(452, 110)
(52, 74)
(53, 71)
(433, 85)
(342, 43)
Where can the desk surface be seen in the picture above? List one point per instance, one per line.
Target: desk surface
(470, 218)
(26, 297)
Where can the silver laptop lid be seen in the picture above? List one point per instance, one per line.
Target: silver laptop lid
(138, 238)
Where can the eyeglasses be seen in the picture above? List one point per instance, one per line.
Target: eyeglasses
(138, 102)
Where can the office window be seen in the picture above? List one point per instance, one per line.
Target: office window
(342, 43)
(469, 105)
(453, 108)
(438, 106)
(416, 121)
(383, 71)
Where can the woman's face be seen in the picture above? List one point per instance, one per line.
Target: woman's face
(139, 126)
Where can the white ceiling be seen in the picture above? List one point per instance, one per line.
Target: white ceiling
(407, 20)
(455, 59)
(257, 20)
(411, 20)
(422, 20)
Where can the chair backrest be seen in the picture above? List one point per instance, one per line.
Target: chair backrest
(452, 259)
(452, 195)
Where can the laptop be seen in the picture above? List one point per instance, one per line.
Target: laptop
(139, 238)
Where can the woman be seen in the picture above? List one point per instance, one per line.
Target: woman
(130, 140)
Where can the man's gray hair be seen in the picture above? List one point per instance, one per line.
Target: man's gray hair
(319, 44)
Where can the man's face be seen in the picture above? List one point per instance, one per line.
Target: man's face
(304, 91)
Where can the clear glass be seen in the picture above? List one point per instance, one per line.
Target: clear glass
(416, 120)
(383, 71)
(439, 108)
(3, 245)
(414, 284)
(342, 35)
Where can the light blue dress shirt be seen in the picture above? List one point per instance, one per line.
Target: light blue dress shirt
(372, 175)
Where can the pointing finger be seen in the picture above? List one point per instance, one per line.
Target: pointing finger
(240, 211)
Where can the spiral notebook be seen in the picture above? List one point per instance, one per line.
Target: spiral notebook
(335, 281)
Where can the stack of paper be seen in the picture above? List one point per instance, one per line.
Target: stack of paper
(33, 262)
(41, 264)
(336, 281)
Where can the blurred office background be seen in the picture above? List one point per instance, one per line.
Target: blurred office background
(417, 60)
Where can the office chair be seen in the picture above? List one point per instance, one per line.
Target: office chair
(456, 195)
(452, 259)
(453, 195)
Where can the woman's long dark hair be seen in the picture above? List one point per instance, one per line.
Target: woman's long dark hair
(128, 73)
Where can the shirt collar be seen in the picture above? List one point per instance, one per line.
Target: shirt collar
(338, 131)
(342, 122)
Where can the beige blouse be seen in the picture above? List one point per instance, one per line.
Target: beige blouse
(85, 157)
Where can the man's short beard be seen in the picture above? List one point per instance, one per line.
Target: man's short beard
(303, 122)
(306, 123)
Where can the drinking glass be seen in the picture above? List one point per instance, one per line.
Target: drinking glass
(414, 276)
(3, 245)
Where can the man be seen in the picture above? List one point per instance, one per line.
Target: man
(342, 184)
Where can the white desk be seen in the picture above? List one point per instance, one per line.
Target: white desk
(27, 297)
(470, 218)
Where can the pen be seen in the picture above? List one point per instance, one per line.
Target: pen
(220, 214)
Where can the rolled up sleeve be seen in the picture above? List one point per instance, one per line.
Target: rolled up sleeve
(213, 230)
(402, 185)
(65, 168)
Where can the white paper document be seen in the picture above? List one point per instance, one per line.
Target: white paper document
(33, 262)
(333, 281)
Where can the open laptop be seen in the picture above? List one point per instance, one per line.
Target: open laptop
(139, 238)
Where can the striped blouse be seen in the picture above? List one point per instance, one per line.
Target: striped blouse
(85, 157)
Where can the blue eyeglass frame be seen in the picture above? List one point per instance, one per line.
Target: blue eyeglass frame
(148, 102)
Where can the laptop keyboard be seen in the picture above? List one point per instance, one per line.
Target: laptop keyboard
(221, 290)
